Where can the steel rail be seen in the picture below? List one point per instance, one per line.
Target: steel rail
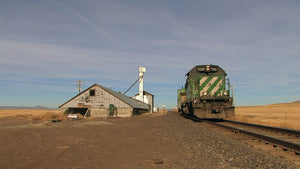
(273, 140)
(284, 130)
(194, 118)
(281, 142)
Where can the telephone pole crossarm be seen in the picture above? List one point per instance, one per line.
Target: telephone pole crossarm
(79, 83)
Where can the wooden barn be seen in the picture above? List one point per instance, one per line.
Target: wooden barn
(99, 101)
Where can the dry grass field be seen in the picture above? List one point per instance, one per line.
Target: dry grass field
(285, 115)
(32, 114)
(281, 115)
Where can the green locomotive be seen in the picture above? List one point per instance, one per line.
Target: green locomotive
(207, 93)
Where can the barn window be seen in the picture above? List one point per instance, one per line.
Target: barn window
(92, 92)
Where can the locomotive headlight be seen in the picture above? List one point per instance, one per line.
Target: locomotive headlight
(205, 93)
(225, 93)
(207, 68)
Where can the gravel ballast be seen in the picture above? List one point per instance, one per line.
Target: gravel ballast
(208, 148)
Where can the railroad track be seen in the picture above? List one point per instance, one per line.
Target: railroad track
(279, 137)
(283, 137)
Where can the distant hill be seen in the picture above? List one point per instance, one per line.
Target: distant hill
(26, 107)
(297, 101)
(294, 102)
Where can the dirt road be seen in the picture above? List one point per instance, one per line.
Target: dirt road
(144, 141)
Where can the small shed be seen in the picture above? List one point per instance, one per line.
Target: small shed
(99, 101)
(148, 98)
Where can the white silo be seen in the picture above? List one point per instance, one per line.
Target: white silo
(142, 70)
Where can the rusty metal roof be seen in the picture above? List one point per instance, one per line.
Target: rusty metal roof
(126, 99)
(130, 101)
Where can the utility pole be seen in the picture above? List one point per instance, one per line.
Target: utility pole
(79, 83)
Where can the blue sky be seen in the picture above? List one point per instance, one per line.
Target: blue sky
(47, 45)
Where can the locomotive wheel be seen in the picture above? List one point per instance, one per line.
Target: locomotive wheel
(191, 108)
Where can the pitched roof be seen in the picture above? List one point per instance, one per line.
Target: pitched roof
(145, 93)
(128, 100)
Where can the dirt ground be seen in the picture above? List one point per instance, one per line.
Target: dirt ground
(144, 141)
(76, 144)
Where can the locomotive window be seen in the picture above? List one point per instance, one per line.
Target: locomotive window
(201, 69)
(209, 69)
(214, 69)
